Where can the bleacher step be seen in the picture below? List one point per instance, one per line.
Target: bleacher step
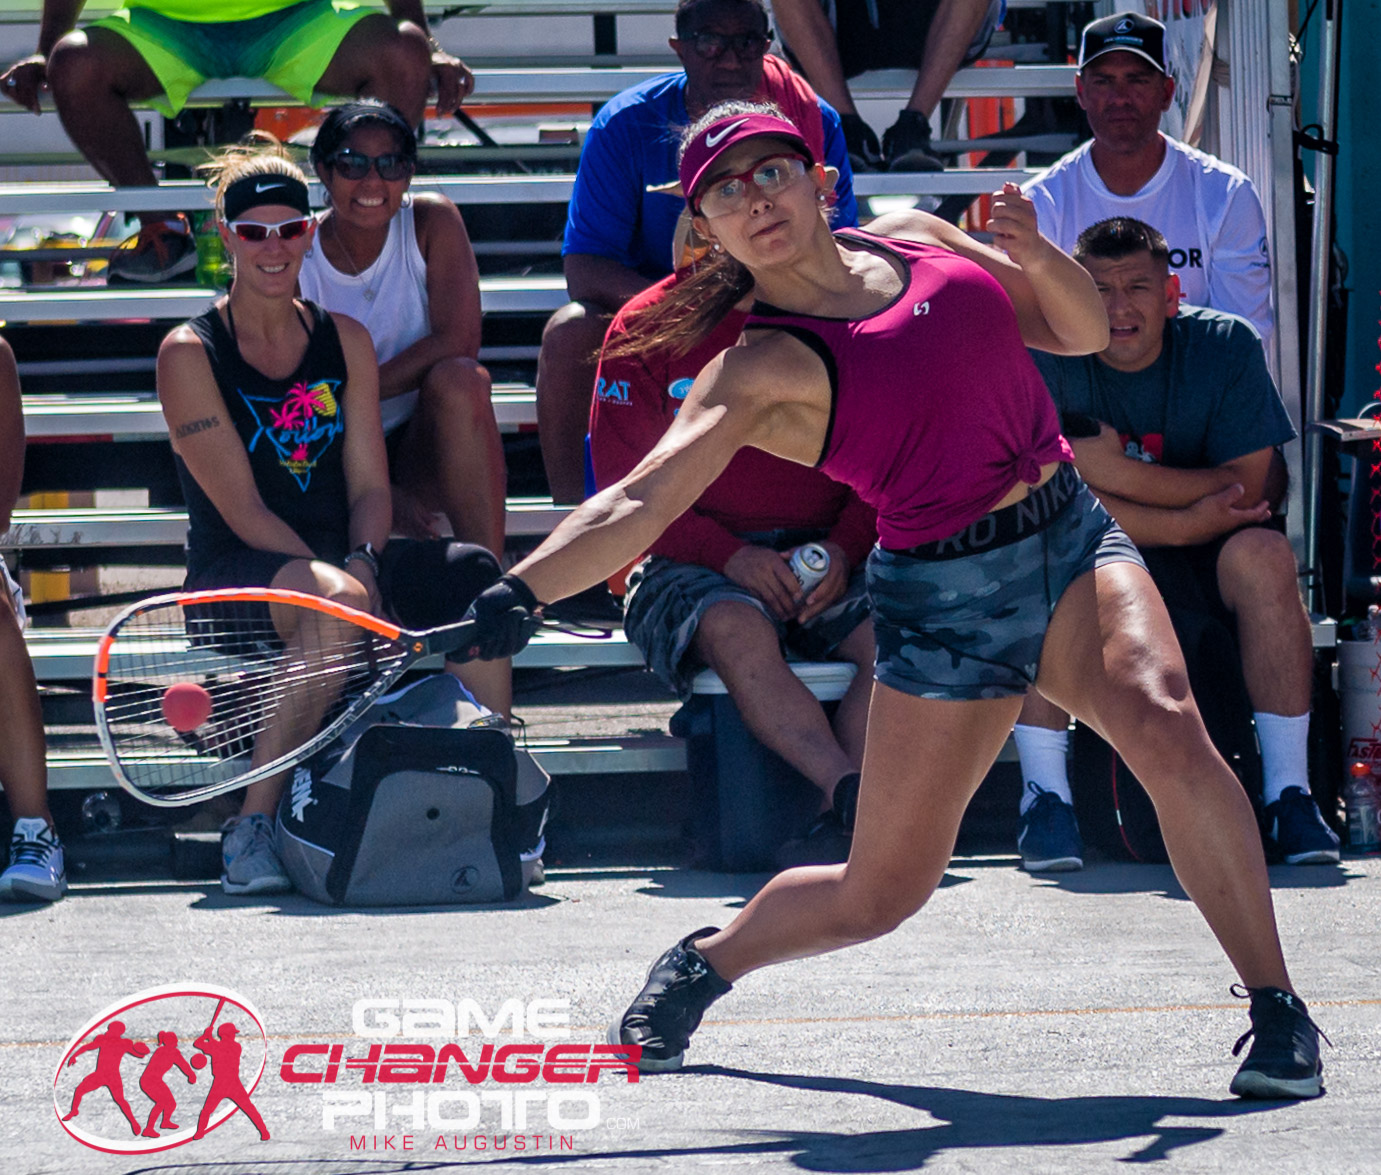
(66, 654)
(136, 416)
(86, 769)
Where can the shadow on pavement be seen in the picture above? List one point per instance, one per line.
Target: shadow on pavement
(968, 1121)
(1123, 877)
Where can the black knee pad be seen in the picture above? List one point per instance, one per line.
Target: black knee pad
(429, 582)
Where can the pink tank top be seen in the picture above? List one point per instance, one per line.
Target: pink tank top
(938, 410)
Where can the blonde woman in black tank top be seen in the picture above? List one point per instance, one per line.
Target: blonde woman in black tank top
(258, 393)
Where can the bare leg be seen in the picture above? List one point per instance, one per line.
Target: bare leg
(382, 58)
(452, 458)
(566, 371)
(490, 681)
(1112, 660)
(952, 31)
(740, 644)
(94, 76)
(1038, 711)
(806, 28)
(924, 761)
(305, 634)
(1256, 577)
(851, 715)
(23, 763)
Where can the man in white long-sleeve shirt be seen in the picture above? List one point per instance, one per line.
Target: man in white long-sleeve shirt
(1206, 209)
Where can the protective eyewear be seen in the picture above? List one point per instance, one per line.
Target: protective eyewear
(713, 46)
(256, 231)
(354, 165)
(729, 193)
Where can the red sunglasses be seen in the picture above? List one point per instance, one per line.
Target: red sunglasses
(288, 230)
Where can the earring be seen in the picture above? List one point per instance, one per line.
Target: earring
(820, 197)
(717, 247)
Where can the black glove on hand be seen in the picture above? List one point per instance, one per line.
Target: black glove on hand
(504, 615)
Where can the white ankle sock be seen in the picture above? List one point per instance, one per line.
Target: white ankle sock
(1284, 746)
(1043, 762)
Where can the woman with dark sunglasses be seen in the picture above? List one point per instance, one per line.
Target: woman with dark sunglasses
(400, 262)
(272, 403)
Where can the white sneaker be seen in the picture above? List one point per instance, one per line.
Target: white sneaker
(248, 859)
(36, 872)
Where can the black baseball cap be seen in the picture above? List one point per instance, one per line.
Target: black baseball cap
(1124, 32)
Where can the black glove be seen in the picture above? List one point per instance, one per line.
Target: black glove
(505, 620)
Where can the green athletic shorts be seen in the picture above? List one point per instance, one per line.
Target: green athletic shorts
(290, 48)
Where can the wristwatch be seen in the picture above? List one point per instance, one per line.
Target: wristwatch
(366, 553)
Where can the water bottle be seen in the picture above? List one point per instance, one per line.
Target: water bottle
(810, 564)
(213, 267)
(1363, 809)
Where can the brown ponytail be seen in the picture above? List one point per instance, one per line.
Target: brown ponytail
(689, 311)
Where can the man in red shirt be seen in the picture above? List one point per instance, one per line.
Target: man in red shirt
(716, 590)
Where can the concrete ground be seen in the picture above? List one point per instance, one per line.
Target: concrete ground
(1018, 1024)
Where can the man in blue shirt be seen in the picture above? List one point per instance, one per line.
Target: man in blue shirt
(1184, 421)
(619, 235)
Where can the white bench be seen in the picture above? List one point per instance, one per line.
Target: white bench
(77, 197)
(535, 294)
(166, 526)
(136, 416)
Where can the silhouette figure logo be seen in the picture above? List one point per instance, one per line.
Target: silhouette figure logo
(196, 1056)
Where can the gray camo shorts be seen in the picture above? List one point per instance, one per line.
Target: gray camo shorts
(972, 626)
(667, 599)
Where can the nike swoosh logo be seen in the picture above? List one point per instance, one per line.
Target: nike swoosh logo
(266, 187)
(920, 308)
(715, 139)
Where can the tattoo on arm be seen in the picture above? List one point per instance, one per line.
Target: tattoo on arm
(194, 426)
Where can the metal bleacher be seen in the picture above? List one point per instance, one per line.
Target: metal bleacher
(82, 405)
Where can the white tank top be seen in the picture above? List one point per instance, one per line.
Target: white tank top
(389, 298)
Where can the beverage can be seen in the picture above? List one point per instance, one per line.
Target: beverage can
(810, 564)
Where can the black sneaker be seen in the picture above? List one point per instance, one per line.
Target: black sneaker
(862, 144)
(845, 801)
(1296, 826)
(1048, 834)
(826, 842)
(679, 987)
(1284, 1058)
(906, 144)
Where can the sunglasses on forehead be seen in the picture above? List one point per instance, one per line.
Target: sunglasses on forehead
(256, 231)
(713, 46)
(355, 165)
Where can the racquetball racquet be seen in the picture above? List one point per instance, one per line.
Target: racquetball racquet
(200, 693)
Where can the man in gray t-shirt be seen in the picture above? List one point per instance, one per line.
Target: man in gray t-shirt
(1176, 425)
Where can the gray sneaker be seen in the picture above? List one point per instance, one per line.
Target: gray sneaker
(36, 872)
(156, 253)
(248, 860)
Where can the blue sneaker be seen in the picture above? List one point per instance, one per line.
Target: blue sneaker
(36, 872)
(1298, 830)
(1048, 835)
(249, 861)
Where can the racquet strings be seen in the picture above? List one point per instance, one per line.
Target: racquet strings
(264, 693)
